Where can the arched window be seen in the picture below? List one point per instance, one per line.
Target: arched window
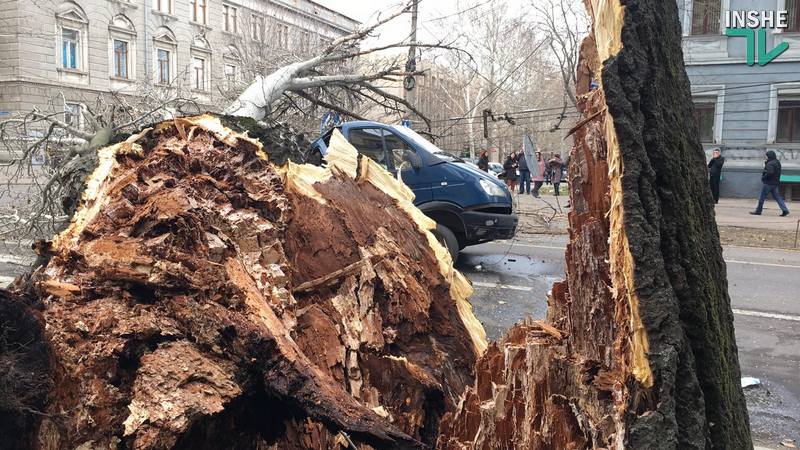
(122, 48)
(200, 68)
(231, 69)
(165, 49)
(71, 42)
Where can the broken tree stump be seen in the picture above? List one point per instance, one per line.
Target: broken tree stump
(648, 359)
(203, 297)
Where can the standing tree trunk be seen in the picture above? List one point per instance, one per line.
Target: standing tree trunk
(638, 350)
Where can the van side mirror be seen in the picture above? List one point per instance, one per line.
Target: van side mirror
(412, 158)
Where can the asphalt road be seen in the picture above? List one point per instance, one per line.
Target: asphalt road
(512, 281)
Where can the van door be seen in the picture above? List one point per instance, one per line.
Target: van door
(414, 178)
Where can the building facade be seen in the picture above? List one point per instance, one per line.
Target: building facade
(62, 54)
(740, 109)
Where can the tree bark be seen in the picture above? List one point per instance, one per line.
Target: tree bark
(638, 350)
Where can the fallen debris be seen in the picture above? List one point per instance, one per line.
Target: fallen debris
(750, 382)
(203, 297)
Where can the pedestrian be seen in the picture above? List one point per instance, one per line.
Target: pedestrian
(510, 168)
(556, 165)
(524, 173)
(483, 161)
(714, 172)
(539, 169)
(770, 178)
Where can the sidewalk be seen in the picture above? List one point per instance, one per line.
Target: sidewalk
(730, 212)
(735, 212)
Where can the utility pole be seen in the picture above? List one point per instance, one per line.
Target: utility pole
(411, 64)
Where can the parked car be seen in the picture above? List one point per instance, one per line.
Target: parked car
(469, 206)
(496, 168)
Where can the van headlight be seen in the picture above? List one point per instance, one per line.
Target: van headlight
(492, 189)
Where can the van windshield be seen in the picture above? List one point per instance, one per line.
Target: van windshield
(420, 141)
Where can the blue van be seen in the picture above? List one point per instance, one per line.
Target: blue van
(469, 206)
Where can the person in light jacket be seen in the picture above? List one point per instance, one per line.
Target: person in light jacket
(537, 174)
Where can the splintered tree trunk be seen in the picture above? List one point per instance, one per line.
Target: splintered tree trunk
(638, 349)
(204, 297)
(210, 294)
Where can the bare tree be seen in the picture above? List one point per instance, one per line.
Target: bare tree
(48, 151)
(565, 25)
(340, 70)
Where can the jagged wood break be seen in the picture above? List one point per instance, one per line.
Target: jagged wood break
(643, 354)
(205, 298)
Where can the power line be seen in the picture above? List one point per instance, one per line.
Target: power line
(458, 13)
(535, 49)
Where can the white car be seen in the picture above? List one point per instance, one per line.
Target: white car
(495, 168)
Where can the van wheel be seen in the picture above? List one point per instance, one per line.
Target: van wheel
(448, 240)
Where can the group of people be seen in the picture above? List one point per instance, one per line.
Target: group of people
(770, 180)
(530, 169)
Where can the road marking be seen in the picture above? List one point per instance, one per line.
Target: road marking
(747, 312)
(5, 281)
(16, 259)
(502, 286)
(729, 261)
(741, 312)
(751, 263)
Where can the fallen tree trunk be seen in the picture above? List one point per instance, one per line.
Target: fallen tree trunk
(638, 350)
(203, 297)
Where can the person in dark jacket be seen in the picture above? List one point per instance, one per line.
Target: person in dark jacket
(555, 166)
(510, 167)
(714, 172)
(771, 177)
(483, 161)
(524, 173)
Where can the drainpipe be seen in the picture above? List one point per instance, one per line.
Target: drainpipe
(147, 55)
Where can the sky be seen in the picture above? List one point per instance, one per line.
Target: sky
(430, 25)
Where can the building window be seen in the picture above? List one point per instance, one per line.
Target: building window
(70, 45)
(164, 6)
(282, 35)
(199, 11)
(229, 14)
(199, 74)
(793, 14)
(303, 41)
(230, 75)
(120, 59)
(704, 118)
(705, 17)
(162, 66)
(788, 121)
(257, 28)
(73, 114)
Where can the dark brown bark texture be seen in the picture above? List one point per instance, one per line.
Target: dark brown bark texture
(205, 298)
(648, 358)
